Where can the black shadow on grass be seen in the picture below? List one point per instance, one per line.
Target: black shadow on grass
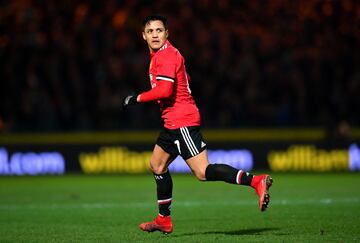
(231, 232)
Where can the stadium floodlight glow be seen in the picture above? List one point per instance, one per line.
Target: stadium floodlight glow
(31, 163)
(354, 157)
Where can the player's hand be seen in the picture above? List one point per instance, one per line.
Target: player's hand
(129, 100)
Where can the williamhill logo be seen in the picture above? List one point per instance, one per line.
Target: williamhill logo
(310, 158)
(31, 163)
(115, 160)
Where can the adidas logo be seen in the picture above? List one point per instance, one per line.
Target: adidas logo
(203, 144)
(158, 177)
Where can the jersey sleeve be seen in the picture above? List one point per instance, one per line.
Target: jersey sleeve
(161, 91)
(166, 67)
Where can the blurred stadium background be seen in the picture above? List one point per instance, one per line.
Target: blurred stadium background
(277, 83)
(267, 77)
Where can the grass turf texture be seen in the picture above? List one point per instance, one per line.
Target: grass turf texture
(77, 208)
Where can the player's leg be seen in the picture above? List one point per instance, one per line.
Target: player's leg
(193, 150)
(204, 171)
(195, 154)
(159, 163)
(261, 183)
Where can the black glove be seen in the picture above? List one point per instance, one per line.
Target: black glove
(130, 100)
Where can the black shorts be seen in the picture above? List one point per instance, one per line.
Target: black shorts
(184, 141)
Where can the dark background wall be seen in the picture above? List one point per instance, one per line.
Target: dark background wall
(65, 65)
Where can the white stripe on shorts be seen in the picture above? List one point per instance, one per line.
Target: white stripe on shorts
(188, 140)
(191, 140)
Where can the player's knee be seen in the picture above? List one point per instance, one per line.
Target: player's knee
(200, 175)
(158, 169)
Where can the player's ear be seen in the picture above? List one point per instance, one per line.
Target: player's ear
(143, 35)
(167, 33)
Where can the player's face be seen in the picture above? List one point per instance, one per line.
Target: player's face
(155, 34)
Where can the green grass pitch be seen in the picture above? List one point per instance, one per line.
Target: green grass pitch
(78, 208)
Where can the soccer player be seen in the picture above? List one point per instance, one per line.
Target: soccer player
(181, 133)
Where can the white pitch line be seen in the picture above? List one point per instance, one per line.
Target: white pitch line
(195, 203)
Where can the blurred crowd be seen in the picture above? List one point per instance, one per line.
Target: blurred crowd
(66, 65)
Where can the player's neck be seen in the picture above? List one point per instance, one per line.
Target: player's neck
(152, 51)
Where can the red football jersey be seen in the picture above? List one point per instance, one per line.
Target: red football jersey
(179, 110)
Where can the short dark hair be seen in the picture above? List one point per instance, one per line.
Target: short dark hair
(155, 17)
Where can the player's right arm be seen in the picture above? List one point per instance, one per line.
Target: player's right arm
(166, 69)
(163, 90)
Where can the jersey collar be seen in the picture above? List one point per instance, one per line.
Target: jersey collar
(166, 45)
